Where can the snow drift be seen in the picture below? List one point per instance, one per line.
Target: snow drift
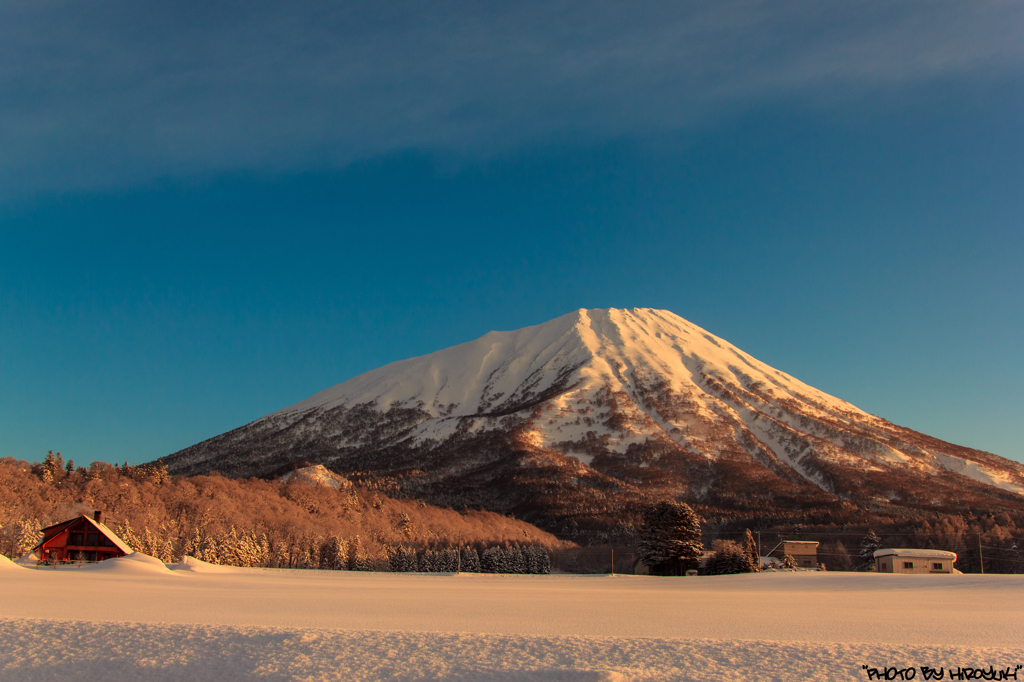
(246, 624)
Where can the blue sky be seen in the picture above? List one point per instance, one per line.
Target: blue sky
(212, 211)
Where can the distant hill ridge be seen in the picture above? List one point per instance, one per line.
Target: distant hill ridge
(589, 416)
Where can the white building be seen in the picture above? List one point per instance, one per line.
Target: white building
(914, 561)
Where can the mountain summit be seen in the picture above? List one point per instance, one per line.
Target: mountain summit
(595, 413)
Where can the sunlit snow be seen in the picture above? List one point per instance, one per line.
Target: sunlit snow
(135, 618)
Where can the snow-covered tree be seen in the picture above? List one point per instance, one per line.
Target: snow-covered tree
(470, 560)
(156, 545)
(750, 547)
(449, 562)
(53, 467)
(729, 558)
(357, 558)
(280, 554)
(492, 560)
(127, 534)
(537, 560)
(29, 535)
(427, 563)
(516, 560)
(868, 545)
(402, 559)
(670, 540)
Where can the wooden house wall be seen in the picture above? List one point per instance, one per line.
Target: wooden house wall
(81, 541)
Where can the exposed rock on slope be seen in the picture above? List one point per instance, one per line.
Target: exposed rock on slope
(595, 412)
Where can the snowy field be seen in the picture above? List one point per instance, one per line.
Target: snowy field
(135, 618)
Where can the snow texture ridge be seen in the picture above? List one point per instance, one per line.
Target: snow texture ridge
(51, 650)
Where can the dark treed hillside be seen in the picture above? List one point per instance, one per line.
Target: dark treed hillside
(243, 522)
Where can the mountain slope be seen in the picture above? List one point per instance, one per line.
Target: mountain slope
(590, 415)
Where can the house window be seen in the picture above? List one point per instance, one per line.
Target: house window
(937, 566)
(908, 564)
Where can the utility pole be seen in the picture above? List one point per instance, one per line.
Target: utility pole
(981, 558)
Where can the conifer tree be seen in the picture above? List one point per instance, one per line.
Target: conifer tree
(402, 559)
(750, 547)
(280, 553)
(730, 558)
(492, 560)
(53, 467)
(29, 535)
(426, 561)
(357, 559)
(868, 545)
(253, 550)
(309, 554)
(449, 560)
(670, 539)
(394, 559)
(127, 534)
(516, 560)
(504, 560)
(410, 561)
(228, 546)
(537, 559)
(470, 560)
(544, 563)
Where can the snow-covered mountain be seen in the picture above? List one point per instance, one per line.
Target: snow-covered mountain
(593, 413)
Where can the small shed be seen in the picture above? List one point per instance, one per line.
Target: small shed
(919, 561)
(80, 539)
(804, 552)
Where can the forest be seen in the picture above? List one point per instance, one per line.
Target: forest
(255, 522)
(295, 524)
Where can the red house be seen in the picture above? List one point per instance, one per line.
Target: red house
(81, 539)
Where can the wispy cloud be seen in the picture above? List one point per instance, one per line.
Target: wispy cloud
(113, 93)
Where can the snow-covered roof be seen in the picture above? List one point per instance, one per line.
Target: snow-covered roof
(109, 534)
(916, 553)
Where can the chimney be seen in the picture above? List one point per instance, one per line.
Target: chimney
(97, 516)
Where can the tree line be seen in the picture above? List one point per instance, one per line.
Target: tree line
(256, 522)
(244, 522)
